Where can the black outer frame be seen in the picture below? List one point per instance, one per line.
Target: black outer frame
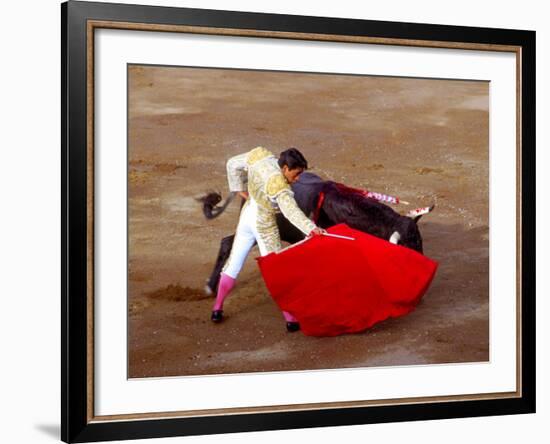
(74, 423)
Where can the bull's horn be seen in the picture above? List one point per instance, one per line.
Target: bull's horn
(394, 238)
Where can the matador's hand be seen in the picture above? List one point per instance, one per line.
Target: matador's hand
(317, 231)
(243, 194)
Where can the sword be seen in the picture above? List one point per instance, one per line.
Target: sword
(308, 238)
(338, 236)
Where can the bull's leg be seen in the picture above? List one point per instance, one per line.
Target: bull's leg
(225, 249)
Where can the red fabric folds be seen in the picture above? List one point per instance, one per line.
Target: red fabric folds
(335, 286)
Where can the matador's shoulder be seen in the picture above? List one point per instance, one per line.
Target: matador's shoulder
(257, 154)
(275, 184)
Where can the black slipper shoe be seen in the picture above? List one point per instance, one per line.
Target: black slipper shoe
(217, 316)
(291, 327)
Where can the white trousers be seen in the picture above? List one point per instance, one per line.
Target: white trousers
(245, 237)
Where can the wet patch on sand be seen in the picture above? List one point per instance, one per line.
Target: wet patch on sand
(426, 170)
(374, 167)
(276, 353)
(167, 167)
(138, 177)
(138, 276)
(177, 293)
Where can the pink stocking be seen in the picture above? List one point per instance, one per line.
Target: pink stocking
(288, 317)
(224, 288)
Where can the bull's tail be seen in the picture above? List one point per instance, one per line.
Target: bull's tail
(210, 202)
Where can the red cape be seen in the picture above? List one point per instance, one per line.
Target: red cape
(335, 286)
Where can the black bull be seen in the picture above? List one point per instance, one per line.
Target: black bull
(353, 209)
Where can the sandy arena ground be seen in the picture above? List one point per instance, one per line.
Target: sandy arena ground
(425, 141)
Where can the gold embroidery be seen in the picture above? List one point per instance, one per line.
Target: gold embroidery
(276, 184)
(293, 213)
(258, 177)
(269, 188)
(257, 154)
(268, 232)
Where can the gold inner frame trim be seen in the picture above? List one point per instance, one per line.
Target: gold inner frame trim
(301, 407)
(95, 24)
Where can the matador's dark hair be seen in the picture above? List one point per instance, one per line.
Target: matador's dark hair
(293, 159)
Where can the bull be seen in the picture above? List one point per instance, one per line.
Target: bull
(331, 204)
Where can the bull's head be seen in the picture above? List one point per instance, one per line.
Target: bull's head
(407, 235)
(412, 238)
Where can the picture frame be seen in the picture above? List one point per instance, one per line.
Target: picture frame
(80, 20)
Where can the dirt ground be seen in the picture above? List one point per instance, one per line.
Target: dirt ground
(425, 141)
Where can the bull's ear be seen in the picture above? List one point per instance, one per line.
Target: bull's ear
(417, 218)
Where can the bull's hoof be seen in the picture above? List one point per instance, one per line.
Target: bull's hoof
(208, 291)
(291, 327)
(217, 316)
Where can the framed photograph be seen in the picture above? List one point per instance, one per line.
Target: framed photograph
(382, 175)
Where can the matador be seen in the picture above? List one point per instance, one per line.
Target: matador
(264, 181)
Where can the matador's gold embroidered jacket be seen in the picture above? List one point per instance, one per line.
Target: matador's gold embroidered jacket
(259, 173)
